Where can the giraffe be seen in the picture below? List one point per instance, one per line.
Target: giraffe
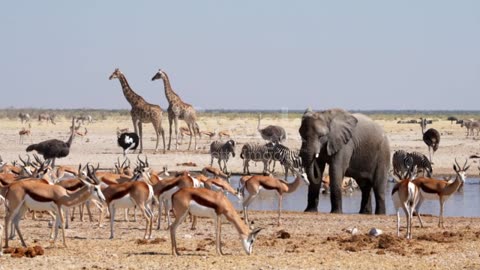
(177, 109)
(142, 111)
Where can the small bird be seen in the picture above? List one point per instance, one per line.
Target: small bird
(128, 141)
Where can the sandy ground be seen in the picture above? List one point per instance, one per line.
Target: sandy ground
(310, 241)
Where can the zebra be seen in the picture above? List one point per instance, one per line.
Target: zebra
(401, 163)
(422, 163)
(289, 159)
(471, 127)
(255, 152)
(222, 151)
(82, 118)
(24, 117)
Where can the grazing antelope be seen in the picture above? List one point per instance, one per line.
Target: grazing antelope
(224, 134)
(209, 134)
(348, 184)
(215, 172)
(406, 195)
(435, 189)
(25, 132)
(122, 130)
(207, 203)
(165, 188)
(82, 134)
(35, 194)
(258, 182)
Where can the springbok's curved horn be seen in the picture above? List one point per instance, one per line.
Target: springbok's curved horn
(465, 165)
(128, 162)
(37, 158)
(140, 161)
(21, 159)
(146, 161)
(457, 163)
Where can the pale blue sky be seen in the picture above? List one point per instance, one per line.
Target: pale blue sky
(367, 55)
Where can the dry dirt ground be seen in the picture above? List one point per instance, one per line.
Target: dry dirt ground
(304, 240)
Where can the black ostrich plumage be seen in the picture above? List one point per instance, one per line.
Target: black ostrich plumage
(431, 137)
(128, 141)
(51, 148)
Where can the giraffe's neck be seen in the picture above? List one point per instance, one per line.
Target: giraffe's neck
(133, 98)
(172, 97)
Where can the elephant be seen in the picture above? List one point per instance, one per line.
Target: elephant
(352, 145)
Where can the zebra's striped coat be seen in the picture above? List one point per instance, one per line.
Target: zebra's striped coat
(222, 151)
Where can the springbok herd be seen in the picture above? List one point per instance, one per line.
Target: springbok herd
(32, 184)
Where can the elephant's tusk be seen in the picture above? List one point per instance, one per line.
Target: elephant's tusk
(316, 155)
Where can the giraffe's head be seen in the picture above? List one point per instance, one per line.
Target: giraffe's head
(115, 74)
(159, 75)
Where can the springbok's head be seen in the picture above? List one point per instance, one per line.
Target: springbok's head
(461, 171)
(91, 180)
(248, 243)
(159, 75)
(115, 75)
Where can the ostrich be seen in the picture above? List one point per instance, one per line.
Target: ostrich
(271, 133)
(128, 141)
(52, 149)
(431, 137)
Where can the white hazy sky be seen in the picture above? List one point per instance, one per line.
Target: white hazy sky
(269, 54)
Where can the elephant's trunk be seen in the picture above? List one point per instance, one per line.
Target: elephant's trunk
(311, 168)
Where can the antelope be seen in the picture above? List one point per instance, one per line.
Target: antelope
(209, 134)
(348, 184)
(215, 172)
(122, 130)
(130, 194)
(37, 195)
(25, 132)
(435, 189)
(82, 134)
(224, 133)
(165, 188)
(207, 203)
(406, 195)
(258, 182)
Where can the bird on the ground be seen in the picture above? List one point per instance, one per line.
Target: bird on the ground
(275, 134)
(128, 141)
(431, 137)
(54, 148)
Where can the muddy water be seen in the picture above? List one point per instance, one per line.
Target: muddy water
(463, 203)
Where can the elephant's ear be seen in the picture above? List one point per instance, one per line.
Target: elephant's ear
(341, 129)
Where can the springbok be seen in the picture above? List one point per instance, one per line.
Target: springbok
(258, 182)
(406, 195)
(436, 189)
(207, 203)
(35, 194)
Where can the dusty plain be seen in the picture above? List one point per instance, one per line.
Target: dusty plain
(303, 241)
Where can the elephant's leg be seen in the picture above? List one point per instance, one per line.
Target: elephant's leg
(366, 204)
(336, 178)
(379, 192)
(313, 197)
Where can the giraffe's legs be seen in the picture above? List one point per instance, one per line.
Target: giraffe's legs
(176, 132)
(192, 134)
(170, 120)
(140, 135)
